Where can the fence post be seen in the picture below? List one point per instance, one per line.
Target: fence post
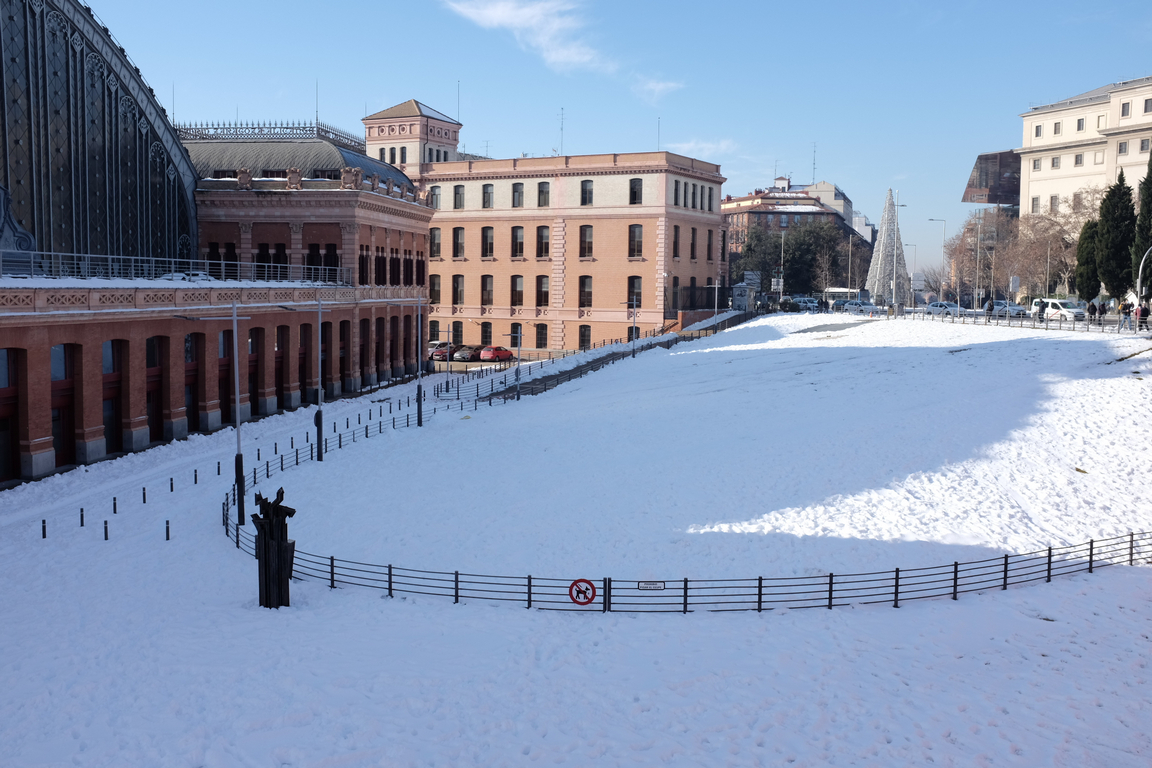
(896, 590)
(529, 590)
(167, 532)
(1091, 553)
(105, 530)
(604, 601)
(389, 572)
(1048, 580)
(331, 571)
(171, 485)
(456, 591)
(685, 594)
(829, 591)
(43, 529)
(1131, 541)
(759, 594)
(1005, 585)
(113, 505)
(144, 494)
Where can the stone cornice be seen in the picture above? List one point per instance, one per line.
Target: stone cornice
(431, 177)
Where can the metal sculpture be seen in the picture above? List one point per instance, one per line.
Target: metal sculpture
(275, 552)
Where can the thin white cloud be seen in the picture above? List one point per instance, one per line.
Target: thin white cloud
(550, 28)
(703, 150)
(652, 90)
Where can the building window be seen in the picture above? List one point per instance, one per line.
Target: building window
(486, 334)
(433, 326)
(586, 241)
(434, 289)
(487, 243)
(1036, 205)
(517, 242)
(586, 192)
(709, 245)
(517, 290)
(542, 192)
(693, 197)
(1056, 129)
(635, 285)
(457, 290)
(676, 192)
(692, 245)
(457, 333)
(1144, 145)
(392, 156)
(1078, 159)
(1056, 161)
(1126, 109)
(1079, 124)
(1038, 131)
(635, 241)
(458, 242)
(486, 291)
(383, 155)
(517, 195)
(434, 243)
(403, 155)
(541, 290)
(1054, 204)
(1036, 164)
(515, 339)
(430, 154)
(585, 336)
(635, 191)
(710, 191)
(458, 197)
(676, 241)
(541, 336)
(486, 196)
(585, 291)
(723, 246)
(435, 198)
(543, 236)
(1122, 148)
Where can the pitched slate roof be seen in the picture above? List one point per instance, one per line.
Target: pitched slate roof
(309, 155)
(412, 108)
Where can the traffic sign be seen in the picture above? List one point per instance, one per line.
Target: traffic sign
(582, 592)
(778, 271)
(777, 284)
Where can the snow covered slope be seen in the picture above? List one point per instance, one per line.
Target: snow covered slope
(760, 451)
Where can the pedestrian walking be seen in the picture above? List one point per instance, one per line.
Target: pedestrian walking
(1125, 316)
(1041, 310)
(1142, 317)
(988, 310)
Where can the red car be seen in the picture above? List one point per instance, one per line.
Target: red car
(444, 352)
(495, 353)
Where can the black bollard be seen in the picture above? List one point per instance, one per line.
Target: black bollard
(167, 532)
(171, 485)
(195, 477)
(81, 517)
(43, 529)
(105, 530)
(113, 505)
(144, 494)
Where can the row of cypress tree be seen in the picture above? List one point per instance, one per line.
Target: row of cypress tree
(1111, 246)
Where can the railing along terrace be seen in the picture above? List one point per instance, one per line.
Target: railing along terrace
(269, 130)
(83, 265)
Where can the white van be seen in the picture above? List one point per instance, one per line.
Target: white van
(1057, 309)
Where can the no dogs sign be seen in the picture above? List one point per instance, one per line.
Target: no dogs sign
(582, 592)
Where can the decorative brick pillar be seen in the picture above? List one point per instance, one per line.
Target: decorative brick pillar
(172, 397)
(135, 384)
(291, 362)
(296, 255)
(245, 252)
(88, 403)
(37, 455)
(556, 288)
(208, 385)
(266, 370)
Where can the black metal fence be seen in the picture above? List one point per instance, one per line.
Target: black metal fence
(684, 595)
(1102, 324)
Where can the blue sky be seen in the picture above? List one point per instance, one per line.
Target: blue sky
(901, 95)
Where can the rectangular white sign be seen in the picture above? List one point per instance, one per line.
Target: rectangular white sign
(649, 585)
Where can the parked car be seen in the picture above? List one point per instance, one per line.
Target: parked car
(1057, 309)
(838, 305)
(445, 353)
(946, 308)
(1005, 308)
(807, 304)
(496, 353)
(860, 307)
(200, 277)
(466, 354)
(434, 346)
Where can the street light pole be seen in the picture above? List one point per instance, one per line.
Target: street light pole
(419, 362)
(319, 377)
(943, 237)
(236, 418)
(912, 274)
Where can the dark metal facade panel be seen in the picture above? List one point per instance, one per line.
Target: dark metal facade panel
(90, 159)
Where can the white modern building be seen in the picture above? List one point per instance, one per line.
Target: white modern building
(1083, 142)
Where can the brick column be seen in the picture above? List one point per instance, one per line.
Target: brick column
(245, 252)
(88, 403)
(34, 381)
(172, 398)
(209, 390)
(291, 357)
(266, 370)
(134, 383)
(296, 252)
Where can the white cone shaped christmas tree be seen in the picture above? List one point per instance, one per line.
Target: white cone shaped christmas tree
(888, 260)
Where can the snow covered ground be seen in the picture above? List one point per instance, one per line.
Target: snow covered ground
(759, 451)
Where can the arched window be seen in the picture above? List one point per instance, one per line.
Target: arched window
(487, 243)
(458, 197)
(517, 242)
(434, 243)
(676, 192)
(457, 333)
(486, 334)
(586, 192)
(692, 245)
(518, 195)
(585, 291)
(403, 155)
(676, 241)
(542, 238)
(675, 293)
(433, 326)
(541, 336)
(709, 245)
(392, 155)
(635, 241)
(635, 191)
(434, 289)
(517, 290)
(486, 197)
(457, 290)
(586, 241)
(486, 291)
(430, 155)
(515, 340)
(635, 285)
(458, 242)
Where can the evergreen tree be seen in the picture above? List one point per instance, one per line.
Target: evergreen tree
(1143, 239)
(1087, 280)
(1114, 235)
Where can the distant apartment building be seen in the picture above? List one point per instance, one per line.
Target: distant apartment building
(784, 205)
(1083, 142)
(560, 250)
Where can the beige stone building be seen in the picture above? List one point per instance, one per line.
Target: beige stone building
(558, 248)
(1084, 142)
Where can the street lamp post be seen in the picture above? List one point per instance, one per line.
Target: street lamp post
(1140, 286)
(912, 274)
(943, 237)
(631, 303)
(518, 337)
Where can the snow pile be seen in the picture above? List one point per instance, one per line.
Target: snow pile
(850, 446)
